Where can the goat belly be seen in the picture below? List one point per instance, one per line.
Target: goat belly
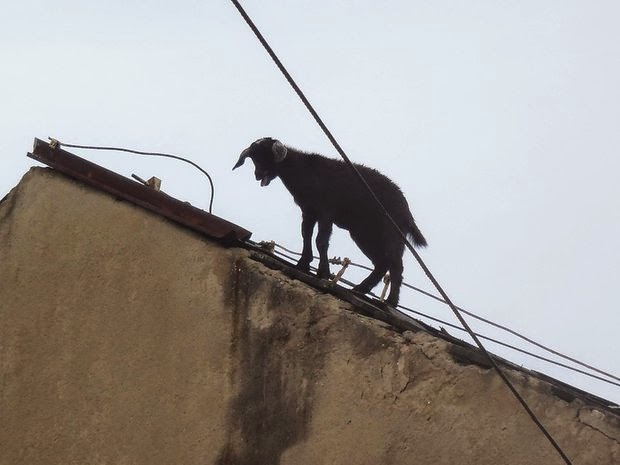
(347, 221)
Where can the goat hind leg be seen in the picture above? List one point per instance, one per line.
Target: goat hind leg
(372, 280)
(396, 280)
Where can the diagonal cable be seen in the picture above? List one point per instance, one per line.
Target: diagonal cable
(378, 203)
(496, 325)
(482, 336)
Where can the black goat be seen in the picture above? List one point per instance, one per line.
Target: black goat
(328, 193)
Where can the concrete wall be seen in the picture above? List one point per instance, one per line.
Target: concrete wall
(125, 339)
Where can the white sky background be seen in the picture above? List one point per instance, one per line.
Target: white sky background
(498, 119)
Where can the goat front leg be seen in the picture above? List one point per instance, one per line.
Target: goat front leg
(308, 220)
(322, 244)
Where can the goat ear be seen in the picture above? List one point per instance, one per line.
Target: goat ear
(279, 151)
(245, 154)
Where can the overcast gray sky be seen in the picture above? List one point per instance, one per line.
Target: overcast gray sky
(498, 119)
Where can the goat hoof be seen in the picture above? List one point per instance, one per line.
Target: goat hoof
(303, 267)
(360, 290)
(358, 294)
(384, 305)
(323, 274)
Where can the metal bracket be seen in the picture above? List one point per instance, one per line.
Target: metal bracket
(345, 262)
(386, 284)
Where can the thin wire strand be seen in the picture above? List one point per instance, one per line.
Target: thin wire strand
(510, 346)
(496, 325)
(515, 333)
(155, 154)
(426, 270)
(488, 338)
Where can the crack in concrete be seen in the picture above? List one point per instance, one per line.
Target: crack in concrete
(581, 418)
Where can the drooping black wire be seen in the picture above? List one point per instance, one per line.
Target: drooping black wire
(155, 154)
(418, 258)
(496, 325)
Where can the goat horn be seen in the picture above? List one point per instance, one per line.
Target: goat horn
(245, 154)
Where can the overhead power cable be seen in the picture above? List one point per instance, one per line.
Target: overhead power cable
(515, 333)
(378, 203)
(512, 347)
(489, 322)
(137, 152)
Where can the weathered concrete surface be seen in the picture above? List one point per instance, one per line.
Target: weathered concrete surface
(125, 339)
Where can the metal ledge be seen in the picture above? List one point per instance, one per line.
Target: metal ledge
(138, 194)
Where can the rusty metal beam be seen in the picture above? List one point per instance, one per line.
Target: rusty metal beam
(138, 194)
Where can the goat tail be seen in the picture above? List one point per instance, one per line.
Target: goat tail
(415, 234)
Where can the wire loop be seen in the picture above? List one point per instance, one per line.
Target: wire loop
(54, 143)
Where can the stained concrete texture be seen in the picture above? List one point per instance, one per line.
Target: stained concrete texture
(126, 339)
